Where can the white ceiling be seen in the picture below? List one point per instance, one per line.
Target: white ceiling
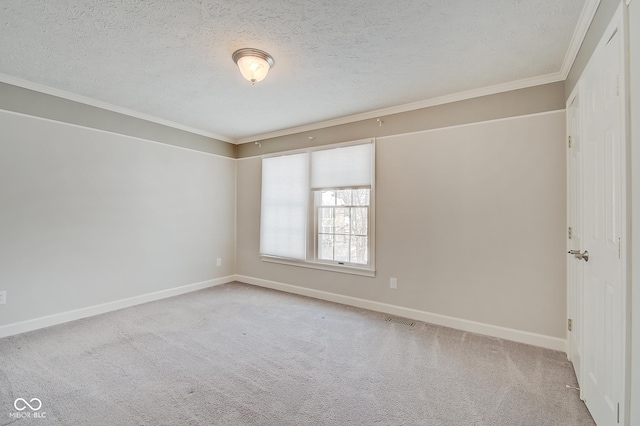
(334, 58)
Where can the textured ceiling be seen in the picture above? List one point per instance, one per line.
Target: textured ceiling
(172, 59)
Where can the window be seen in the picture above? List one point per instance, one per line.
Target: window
(317, 208)
(343, 225)
(283, 221)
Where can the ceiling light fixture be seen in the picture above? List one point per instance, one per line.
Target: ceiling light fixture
(254, 64)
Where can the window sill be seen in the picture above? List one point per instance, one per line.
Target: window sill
(353, 270)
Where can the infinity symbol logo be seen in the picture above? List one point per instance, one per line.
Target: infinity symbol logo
(26, 404)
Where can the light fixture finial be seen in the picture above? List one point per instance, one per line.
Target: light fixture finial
(254, 64)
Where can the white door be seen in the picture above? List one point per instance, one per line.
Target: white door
(603, 354)
(575, 295)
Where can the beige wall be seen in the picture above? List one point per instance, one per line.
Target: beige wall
(435, 248)
(530, 100)
(470, 219)
(25, 101)
(90, 217)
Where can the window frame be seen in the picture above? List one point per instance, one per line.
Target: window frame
(317, 194)
(311, 235)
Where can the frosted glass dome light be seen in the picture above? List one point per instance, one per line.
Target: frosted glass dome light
(254, 64)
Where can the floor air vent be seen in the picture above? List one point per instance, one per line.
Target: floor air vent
(401, 321)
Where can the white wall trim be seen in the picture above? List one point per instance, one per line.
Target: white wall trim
(107, 106)
(55, 319)
(475, 123)
(137, 138)
(455, 97)
(526, 337)
(580, 32)
(460, 96)
(435, 129)
(584, 21)
(319, 265)
(534, 339)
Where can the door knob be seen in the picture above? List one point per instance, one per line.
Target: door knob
(582, 256)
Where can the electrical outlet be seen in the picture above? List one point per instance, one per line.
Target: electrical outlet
(219, 262)
(393, 283)
(3, 297)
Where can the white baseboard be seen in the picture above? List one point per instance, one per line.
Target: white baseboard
(47, 321)
(460, 324)
(534, 339)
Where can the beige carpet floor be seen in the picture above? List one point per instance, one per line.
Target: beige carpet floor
(242, 355)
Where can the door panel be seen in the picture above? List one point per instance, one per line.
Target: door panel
(574, 222)
(602, 383)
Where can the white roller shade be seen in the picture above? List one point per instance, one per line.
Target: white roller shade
(285, 195)
(348, 166)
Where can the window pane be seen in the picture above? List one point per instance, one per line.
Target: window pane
(359, 220)
(325, 247)
(341, 248)
(328, 198)
(359, 252)
(343, 225)
(325, 220)
(342, 220)
(343, 197)
(361, 197)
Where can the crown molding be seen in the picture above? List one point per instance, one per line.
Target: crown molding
(107, 106)
(460, 96)
(584, 21)
(580, 32)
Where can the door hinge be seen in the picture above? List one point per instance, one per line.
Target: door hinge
(570, 232)
(569, 141)
(618, 420)
(569, 324)
(618, 85)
